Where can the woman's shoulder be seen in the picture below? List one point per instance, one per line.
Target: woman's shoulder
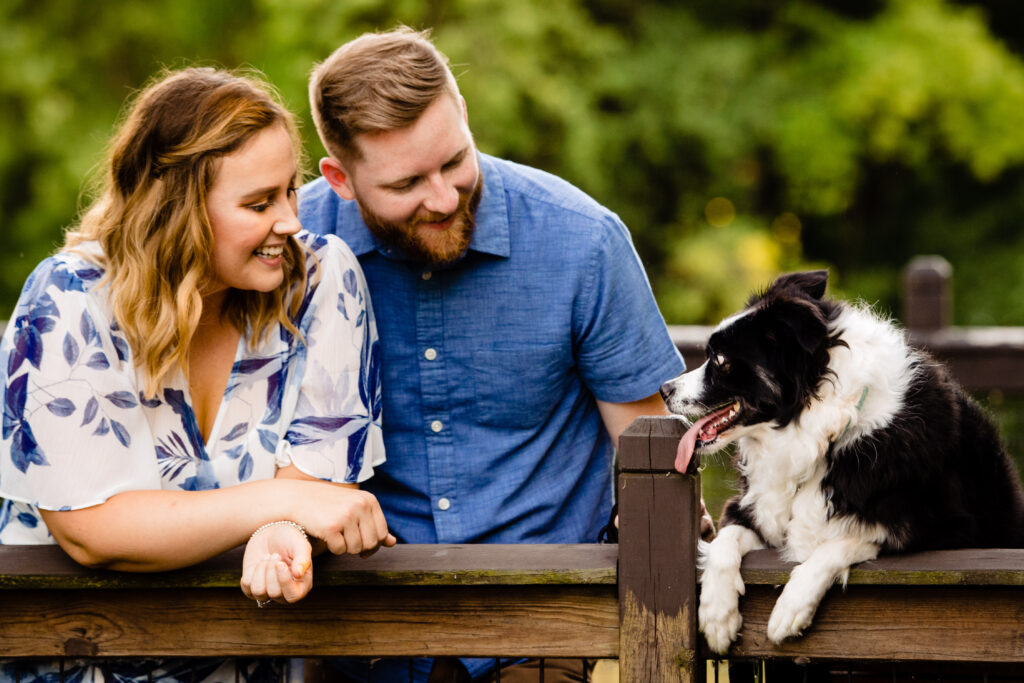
(326, 246)
(66, 272)
(327, 255)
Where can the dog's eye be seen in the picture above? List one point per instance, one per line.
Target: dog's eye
(720, 362)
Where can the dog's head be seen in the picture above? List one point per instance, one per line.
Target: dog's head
(764, 366)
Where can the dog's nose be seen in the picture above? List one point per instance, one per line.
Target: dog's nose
(667, 389)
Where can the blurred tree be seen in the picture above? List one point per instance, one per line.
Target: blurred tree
(737, 138)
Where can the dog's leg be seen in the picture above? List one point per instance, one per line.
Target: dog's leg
(722, 586)
(808, 582)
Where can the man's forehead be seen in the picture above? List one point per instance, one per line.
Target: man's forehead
(438, 136)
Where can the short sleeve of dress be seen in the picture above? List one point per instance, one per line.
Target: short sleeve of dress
(74, 432)
(335, 433)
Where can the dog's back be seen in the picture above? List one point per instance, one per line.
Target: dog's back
(936, 476)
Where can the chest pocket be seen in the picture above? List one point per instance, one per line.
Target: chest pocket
(519, 387)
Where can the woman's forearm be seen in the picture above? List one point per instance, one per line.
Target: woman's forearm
(158, 530)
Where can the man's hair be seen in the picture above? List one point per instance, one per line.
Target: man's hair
(151, 220)
(377, 82)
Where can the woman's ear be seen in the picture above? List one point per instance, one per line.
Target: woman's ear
(337, 177)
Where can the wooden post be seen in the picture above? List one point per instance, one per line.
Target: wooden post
(659, 524)
(927, 305)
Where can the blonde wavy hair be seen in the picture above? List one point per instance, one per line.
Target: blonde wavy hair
(150, 216)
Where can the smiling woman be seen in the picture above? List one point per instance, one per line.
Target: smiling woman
(192, 371)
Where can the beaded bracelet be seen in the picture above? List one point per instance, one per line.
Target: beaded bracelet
(283, 521)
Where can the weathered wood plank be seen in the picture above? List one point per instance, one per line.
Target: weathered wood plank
(983, 624)
(537, 620)
(24, 567)
(974, 567)
(659, 518)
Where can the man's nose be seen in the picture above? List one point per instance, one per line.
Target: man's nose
(443, 198)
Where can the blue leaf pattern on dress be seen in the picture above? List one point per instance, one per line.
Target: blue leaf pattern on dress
(61, 407)
(245, 468)
(121, 346)
(90, 411)
(70, 349)
(268, 440)
(122, 399)
(121, 433)
(98, 361)
(350, 282)
(236, 431)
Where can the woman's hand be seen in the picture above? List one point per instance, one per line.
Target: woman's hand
(277, 565)
(346, 519)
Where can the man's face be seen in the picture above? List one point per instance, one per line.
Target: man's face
(418, 187)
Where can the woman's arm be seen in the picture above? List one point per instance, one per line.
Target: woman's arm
(146, 531)
(278, 558)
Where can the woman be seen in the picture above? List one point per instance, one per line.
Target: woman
(191, 372)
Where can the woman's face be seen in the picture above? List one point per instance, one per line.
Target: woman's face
(252, 210)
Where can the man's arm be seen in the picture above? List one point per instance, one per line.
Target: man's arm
(618, 416)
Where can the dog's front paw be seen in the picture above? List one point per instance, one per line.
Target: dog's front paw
(719, 614)
(792, 613)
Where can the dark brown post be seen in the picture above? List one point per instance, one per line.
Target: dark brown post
(927, 304)
(659, 523)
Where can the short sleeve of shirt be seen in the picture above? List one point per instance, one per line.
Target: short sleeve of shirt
(623, 347)
(335, 433)
(74, 431)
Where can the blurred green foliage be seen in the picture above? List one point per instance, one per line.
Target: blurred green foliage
(736, 138)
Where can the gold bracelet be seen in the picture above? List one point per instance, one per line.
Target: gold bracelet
(283, 521)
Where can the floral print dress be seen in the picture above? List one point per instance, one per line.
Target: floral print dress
(78, 429)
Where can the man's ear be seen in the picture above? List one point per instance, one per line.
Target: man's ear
(337, 177)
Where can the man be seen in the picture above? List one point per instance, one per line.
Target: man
(519, 334)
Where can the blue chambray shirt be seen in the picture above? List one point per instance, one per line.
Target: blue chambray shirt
(490, 366)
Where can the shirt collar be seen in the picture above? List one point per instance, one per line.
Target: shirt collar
(492, 224)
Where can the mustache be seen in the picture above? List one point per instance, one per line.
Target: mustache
(434, 217)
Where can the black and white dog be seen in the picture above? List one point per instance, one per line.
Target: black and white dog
(848, 444)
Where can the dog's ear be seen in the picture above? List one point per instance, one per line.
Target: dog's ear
(811, 283)
(805, 321)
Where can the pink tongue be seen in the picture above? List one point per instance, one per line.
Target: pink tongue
(686, 444)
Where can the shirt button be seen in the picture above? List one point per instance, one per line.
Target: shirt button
(430, 354)
(436, 426)
(427, 275)
(443, 504)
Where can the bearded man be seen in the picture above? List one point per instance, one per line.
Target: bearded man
(518, 331)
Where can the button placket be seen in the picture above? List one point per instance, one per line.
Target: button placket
(436, 402)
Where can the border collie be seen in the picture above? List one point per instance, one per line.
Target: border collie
(848, 444)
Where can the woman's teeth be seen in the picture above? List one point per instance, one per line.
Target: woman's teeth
(270, 252)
